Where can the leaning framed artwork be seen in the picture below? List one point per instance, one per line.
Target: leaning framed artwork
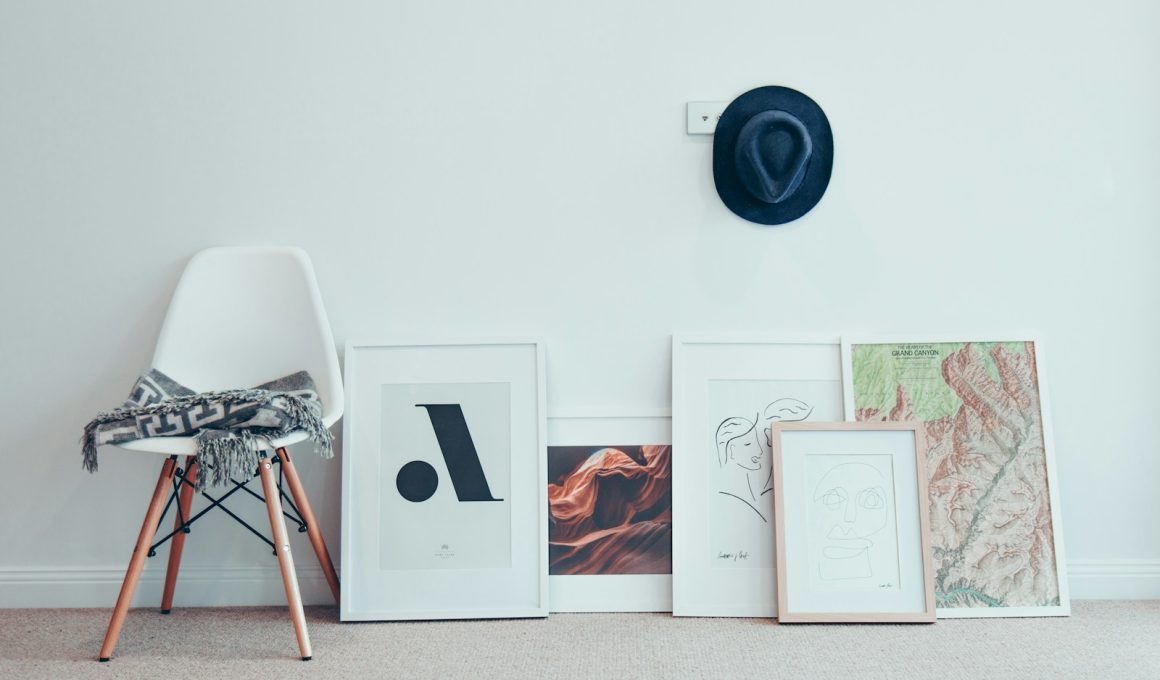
(853, 541)
(994, 507)
(727, 391)
(610, 512)
(444, 513)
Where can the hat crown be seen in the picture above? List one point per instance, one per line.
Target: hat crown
(772, 155)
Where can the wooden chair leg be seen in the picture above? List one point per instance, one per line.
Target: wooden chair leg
(312, 528)
(285, 559)
(185, 500)
(137, 562)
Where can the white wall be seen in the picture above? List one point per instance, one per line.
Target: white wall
(459, 168)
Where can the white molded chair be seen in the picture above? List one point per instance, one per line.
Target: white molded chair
(240, 316)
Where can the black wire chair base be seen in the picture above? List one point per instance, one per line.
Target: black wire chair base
(184, 525)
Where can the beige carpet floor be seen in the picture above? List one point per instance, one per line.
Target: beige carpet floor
(1100, 640)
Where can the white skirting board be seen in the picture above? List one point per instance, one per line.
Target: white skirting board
(1114, 579)
(245, 586)
(196, 586)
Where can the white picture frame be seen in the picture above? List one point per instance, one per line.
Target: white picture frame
(723, 551)
(956, 588)
(420, 541)
(853, 540)
(621, 592)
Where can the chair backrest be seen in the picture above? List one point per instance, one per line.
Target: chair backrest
(241, 316)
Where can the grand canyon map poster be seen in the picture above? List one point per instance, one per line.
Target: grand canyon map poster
(994, 512)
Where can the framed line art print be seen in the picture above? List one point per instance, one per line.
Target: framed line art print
(610, 512)
(727, 391)
(994, 506)
(853, 541)
(444, 513)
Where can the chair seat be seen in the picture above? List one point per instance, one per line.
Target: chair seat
(187, 446)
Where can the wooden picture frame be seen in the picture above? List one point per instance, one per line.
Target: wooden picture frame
(984, 406)
(444, 511)
(727, 389)
(851, 524)
(617, 466)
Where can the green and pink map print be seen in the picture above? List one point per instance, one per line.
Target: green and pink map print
(990, 506)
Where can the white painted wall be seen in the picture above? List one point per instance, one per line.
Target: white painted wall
(509, 168)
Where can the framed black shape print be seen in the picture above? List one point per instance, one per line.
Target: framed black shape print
(443, 467)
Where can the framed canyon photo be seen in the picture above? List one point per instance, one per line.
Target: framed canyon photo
(610, 513)
(853, 541)
(727, 392)
(444, 455)
(996, 535)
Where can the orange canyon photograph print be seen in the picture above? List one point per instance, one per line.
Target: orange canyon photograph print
(611, 510)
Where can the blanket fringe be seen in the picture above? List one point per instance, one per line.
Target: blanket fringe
(226, 454)
(308, 415)
(89, 447)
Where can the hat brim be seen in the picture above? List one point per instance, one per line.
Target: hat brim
(729, 186)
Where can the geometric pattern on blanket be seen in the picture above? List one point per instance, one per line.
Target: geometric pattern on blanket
(229, 425)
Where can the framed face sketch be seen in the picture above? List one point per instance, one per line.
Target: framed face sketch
(727, 391)
(994, 503)
(444, 514)
(853, 541)
(610, 512)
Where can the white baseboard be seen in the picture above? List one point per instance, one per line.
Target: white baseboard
(196, 587)
(1114, 579)
(249, 586)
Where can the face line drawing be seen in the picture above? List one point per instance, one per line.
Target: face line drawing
(853, 502)
(742, 444)
(738, 447)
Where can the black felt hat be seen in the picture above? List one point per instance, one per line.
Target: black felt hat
(772, 155)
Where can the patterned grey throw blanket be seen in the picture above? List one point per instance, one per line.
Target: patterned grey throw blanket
(229, 425)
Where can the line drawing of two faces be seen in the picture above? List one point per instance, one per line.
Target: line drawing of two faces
(743, 451)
